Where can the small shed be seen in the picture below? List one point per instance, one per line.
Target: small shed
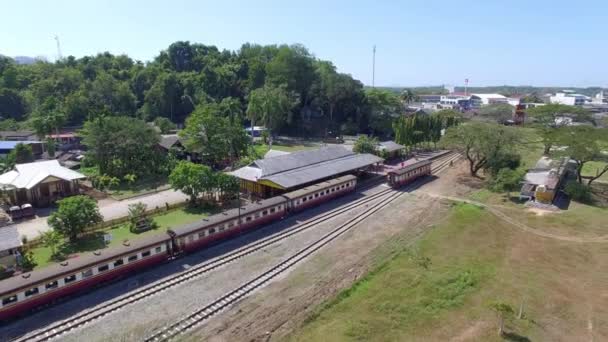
(9, 246)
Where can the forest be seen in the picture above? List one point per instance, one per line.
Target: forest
(315, 99)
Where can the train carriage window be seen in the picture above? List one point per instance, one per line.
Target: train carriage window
(316, 195)
(257, 215)
(190, 238)
(87, 273)
(304, 199)
(146, 254)
(212, 231)
(118, 262)
(248, 218)
(158, 249)
(265, 212)
(201, 235)
(51, 285)
(272, 210)
(69, 279)
(231, 224)
(9, 300)
(132, 258)
(221, 228)
(31, 292)
(103, 268)
(279, 207)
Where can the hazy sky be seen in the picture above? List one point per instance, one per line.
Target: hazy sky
(428, 42)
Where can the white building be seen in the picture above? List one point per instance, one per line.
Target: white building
(479, 100)
(568, 98)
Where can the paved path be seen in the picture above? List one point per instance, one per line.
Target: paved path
(109, 210)
(506, 218)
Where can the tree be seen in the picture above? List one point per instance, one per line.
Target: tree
(507, 179)
(164, 125)
(583, 144)
(73, 215)
(365, 144)
(213, 136)
(500, 112)
(138, 217)
(50, 147)
(270, 104)
(51, 239)
(22, 154)
(407, 96)
(190, 179)
(122, 145)
(480, 143)
(503, 311)
(385, 107)
(549, 117)
(228, 186)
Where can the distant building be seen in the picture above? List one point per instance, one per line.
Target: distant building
(40, 183)
(479, 100)
(18, 135)
(568, 98)
(7, 146)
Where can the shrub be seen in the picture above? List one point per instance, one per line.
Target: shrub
(506, 180)
(578, 192)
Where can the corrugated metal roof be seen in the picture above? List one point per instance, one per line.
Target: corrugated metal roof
(390, 146)
(319, 186)
(30, 174)
(300, 159)
(322, 170)
(9, 238)
(82, 262)
(274, 153)
(168, 140)
(9, 145)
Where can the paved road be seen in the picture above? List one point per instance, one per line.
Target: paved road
(109, 209)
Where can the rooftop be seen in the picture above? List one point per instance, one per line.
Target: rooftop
(26, 176)
(390, 146)
(168, 140)
(11, 144)
(274, 153)
(9, 238)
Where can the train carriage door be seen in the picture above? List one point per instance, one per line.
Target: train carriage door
(175, 244)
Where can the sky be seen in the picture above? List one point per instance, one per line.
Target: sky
(418, 43)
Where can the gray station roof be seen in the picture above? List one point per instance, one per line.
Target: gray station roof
(390, 146)
(74, 265)
(304, 167)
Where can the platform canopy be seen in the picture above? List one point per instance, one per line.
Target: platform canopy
(303, 167)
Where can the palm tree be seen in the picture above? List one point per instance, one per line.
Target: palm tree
(408, 96)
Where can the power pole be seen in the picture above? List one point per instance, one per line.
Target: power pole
(374, 68)
(59, 56)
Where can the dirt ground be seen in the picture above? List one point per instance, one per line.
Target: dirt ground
(278, 309)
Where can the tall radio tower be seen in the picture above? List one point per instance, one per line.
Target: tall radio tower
(59, 56)
(374, 67)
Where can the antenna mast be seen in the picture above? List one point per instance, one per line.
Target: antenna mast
(59, 56)
(374, 67)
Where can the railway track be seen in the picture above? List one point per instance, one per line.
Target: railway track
(57, 329)
(202, 314)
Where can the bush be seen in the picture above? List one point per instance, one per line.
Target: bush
(578, 192)
(506, 179)
(501, 161)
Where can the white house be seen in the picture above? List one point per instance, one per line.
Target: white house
(568, 98)
(479, 100)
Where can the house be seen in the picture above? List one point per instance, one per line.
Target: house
(9, 246)
(6, 146)
(40, 183)
(479, 100)
(172, 142)
(390, 149)
(568, 98)
(18, 135)
(543, 181)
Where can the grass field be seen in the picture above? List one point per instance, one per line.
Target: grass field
(92, 242)
(473, 260)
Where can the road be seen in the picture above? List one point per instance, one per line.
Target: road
(109, 210)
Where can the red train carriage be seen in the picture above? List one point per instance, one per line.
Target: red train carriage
(24, 292)
(320, 192)
(399, 177)
(229, 223)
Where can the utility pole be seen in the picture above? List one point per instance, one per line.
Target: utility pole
(59, 56)
(374, 67)
(466, 85)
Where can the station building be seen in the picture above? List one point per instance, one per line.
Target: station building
(273, 176)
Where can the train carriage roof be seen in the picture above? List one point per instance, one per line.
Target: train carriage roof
(227, 215)
(411, 167)
(319, 186)
(73, 265)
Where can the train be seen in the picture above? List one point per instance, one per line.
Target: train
(22, 293)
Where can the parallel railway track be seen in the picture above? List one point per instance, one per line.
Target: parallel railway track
(57, 329)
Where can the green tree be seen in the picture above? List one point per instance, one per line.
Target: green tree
(480, 142)
(164, 125)
(270, 104)
(73, 215)
(547, 118)
(500, 112)
(407, 96)
(51, 239)
(190, 179)
(385, 107)
(583, 144)
(503, 311)
(22, 154)
(122, 145)
(365, 144)
(507, 179)
(50, 147)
